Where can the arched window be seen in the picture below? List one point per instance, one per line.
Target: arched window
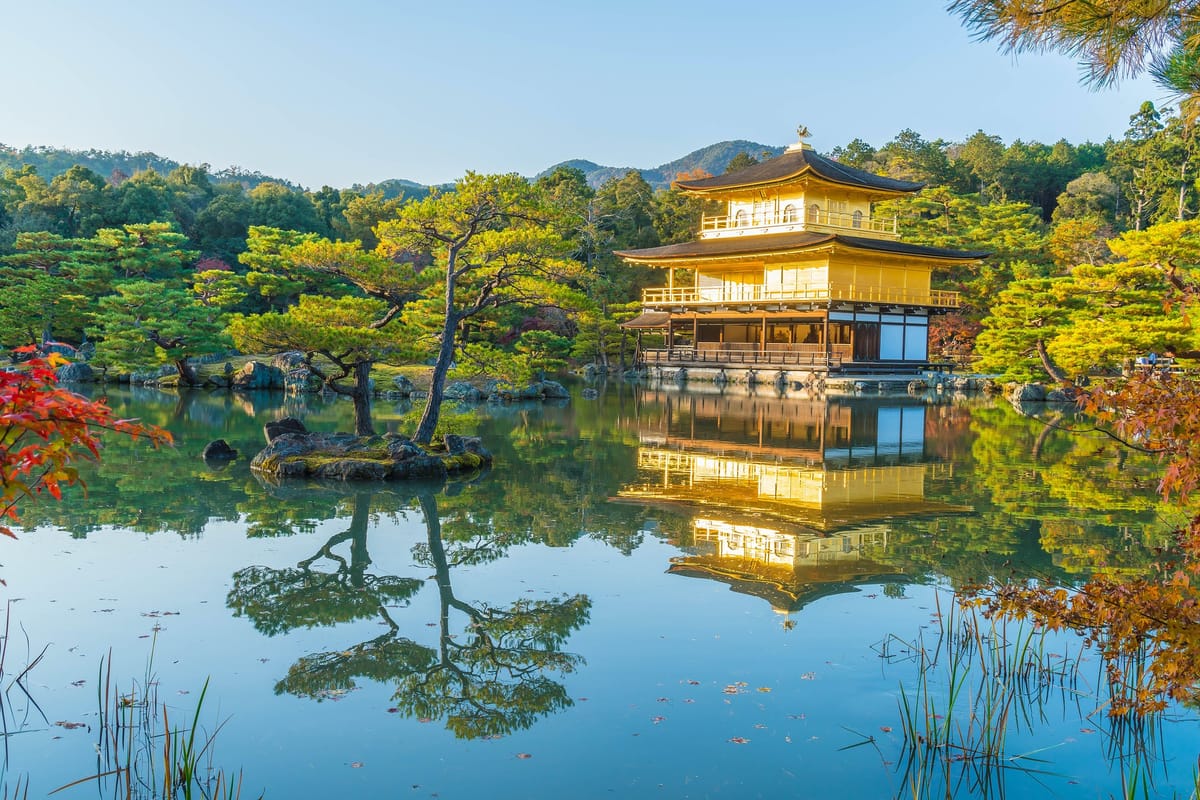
(739, 219)
(856, 220)
(789, 213)
(814, 213)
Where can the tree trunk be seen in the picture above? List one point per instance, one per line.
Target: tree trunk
(362, 399)
(187, 375)
(429, 419)
(1048, 364)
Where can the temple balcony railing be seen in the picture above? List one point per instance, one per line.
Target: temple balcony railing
(752, 297)
(748, 354)
(797, 221)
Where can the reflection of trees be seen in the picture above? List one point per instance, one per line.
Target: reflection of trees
(494, 680)
(492, 677)
(1047, 501)
(278, 600)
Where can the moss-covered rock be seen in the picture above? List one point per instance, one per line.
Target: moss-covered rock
(345, 457)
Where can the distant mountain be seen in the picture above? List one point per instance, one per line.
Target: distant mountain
(712, 159)
(52, 161)
(397, 187)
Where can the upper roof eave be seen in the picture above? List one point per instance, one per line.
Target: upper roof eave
(793, 165)
(789, 242)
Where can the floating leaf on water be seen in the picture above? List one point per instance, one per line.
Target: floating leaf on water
(808, 676)
(425, 719)
(732, 689)
(78, 683)
(740, 740)
(764, 688)
(393, 710)
(657, 720)
(1087, 730)
(356, 764)
(689, 700)
(524, 755)
(583, 699)
(759, 725)
(70, 725)
(693, 683)
(664, 699)
(885, 728)
(797, 716)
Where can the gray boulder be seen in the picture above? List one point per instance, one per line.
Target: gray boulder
(404, 387)
(219, 450)
(531, 392)
(463, 392)
(590, 394)
(280, 427)
(552, 390)
(76, 372)
(257, 375)
(1027, 393)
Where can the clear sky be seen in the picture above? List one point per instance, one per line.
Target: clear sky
(363, 90)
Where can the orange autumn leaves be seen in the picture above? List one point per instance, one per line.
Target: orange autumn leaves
(44, 428)
(1146, 628)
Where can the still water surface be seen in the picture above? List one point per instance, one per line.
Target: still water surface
(653, 594)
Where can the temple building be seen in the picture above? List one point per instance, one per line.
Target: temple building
(797, 272)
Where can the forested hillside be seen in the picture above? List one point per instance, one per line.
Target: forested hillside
(79, 240)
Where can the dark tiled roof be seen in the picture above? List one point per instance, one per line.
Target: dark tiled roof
(648, 319)
(776, 242)
(790, 165)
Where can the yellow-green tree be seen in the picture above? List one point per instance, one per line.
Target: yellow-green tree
(493, 247)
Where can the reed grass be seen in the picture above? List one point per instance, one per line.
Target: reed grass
(980, 679)
(140, 754)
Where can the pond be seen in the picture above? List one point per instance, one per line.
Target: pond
(654, 594)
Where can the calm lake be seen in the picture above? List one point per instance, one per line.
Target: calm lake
(654, 594)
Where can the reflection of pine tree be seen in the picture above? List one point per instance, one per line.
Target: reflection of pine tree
(490, 680)
(493, 682)
(278, 600)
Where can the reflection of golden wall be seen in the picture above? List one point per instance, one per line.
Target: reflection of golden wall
(769, 546)
(813, 486)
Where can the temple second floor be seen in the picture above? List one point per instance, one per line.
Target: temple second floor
(784, 271)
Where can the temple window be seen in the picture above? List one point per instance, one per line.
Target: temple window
(814, 213)
(856, 219)
(789, 213)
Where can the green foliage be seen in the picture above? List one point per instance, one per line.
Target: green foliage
(1098, 317)
(151, 250)
(329, 326)
(493, 247)
(145, 323)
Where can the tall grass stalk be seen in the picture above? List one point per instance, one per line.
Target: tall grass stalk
(140, 754)
(977, 680)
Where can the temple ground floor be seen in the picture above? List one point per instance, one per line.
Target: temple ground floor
(864, 341)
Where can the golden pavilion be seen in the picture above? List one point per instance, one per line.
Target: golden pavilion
(796, 273)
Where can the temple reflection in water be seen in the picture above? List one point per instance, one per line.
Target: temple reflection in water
(790, 497)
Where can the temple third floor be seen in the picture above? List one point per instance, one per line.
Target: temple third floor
(798, 213)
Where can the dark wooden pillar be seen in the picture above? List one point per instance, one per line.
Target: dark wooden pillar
(828, 349)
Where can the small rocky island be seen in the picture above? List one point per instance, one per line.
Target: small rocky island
(294, 452)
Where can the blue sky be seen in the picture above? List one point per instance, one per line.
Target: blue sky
(355, 91)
